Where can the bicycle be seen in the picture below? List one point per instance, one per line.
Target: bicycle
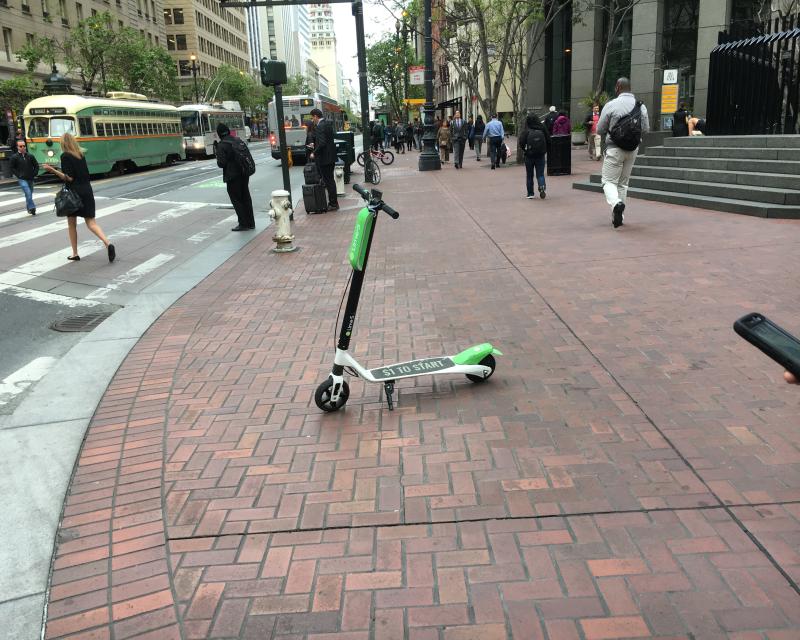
(386, 157)
(372, 172)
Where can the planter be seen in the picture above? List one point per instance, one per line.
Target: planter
(578, 137)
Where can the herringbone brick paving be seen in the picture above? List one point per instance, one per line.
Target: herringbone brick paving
(631, 470)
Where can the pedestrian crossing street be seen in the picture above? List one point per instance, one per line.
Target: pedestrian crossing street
(152, 236)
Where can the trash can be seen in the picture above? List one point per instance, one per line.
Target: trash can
(559, 158)
(345, 150)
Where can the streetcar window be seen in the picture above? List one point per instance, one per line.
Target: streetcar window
(38, 128)
(206, 125)
(101, 129)
(85, 125)
(116, 126)
(60, 126)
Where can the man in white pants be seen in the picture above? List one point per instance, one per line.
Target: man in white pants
(618, 163)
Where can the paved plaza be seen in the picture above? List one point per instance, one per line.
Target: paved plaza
(631, 470)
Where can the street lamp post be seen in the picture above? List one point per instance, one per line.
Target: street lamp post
(404, 29)
(428, 159)
(193, 58)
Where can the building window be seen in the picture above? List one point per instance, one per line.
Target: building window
(29, 38)
(167, 16)
(170, 43)
(177, 16)
(79, 10)
(180, 42)
(184, 68)
(7, 43)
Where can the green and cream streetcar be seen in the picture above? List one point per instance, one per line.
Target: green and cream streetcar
(119, 132)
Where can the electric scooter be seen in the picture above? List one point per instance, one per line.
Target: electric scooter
(477, 362)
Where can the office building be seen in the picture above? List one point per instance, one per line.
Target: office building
(323, 46)
(23, 20)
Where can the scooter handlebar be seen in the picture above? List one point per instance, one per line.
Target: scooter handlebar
(390, 211)
(364, 193)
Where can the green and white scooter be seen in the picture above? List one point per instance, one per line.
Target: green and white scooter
(477, 362)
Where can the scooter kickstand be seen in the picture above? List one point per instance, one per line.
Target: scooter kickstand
(388, 386)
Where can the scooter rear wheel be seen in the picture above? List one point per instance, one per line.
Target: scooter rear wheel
(323, 396)
(488, 361)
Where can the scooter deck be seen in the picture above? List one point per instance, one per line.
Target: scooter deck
(412, 368)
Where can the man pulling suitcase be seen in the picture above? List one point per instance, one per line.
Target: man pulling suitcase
(324, 155)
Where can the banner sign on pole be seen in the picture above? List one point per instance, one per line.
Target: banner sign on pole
(670, 76)
(416, 75)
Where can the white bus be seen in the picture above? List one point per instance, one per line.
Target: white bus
(199, 123)
(297, 122)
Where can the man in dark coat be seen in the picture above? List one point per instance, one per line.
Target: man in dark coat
(325, 155)
(459, 134)
(550, 119)
(25, 168)
(237, 182)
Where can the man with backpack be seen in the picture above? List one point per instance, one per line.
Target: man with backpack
(237, 165)
(535, 142)
(623, 121)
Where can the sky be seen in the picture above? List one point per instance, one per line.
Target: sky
(377, 21)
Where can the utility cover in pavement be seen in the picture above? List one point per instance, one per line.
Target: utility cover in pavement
(86, 322)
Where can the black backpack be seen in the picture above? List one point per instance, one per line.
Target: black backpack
(535, 143)
(242, 156)
(627, 132)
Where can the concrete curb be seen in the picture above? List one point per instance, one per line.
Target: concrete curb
(45, 434)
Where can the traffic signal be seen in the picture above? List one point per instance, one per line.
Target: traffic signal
(272, 72)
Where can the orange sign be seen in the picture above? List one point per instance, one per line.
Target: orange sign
(669, 98)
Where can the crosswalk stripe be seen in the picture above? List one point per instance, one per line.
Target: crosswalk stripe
(45, 296)
(38, 232)
(203, 235)
(42, 265)
(131, 276)
(24, 377)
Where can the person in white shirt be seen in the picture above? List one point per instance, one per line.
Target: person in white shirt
(618, 163)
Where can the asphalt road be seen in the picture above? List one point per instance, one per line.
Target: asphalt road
(157, 218)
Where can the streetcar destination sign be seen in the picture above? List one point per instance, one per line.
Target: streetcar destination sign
(413, 368)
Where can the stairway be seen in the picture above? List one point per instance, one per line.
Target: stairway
(752, 175)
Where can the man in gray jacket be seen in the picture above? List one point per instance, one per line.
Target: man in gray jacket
(618, 163)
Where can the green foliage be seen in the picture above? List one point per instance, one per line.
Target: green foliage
(39, 50)
(593, 99)
(297, 85)
(241, 87)
(17, 92)
(90, 49)
(139, 66)
(387, 64)
(578, 127)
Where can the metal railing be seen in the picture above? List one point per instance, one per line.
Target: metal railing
(754, 82)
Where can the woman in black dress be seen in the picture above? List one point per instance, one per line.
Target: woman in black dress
(75, 172)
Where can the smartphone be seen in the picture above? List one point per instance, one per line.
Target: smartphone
(777, 343)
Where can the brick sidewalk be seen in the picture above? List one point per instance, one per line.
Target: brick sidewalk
(631, 470)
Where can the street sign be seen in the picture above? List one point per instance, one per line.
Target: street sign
(670, 76)
(416, 75)
(669, 98)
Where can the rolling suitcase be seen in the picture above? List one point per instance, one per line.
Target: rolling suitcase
(315, 198)
(311, 174)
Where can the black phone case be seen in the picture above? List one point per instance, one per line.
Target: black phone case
(740, 327)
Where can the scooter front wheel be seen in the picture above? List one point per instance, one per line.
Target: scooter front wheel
(323, 396)
(488, 361)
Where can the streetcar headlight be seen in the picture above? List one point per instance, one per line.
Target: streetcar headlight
(50, 153)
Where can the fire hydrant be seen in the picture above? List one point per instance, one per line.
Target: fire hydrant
(280, 212)
(338, 176)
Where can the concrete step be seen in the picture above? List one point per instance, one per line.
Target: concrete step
(721, 164)
(763, 142)
(682, 174)
(751, 153)
(715, 190)
(728, 205)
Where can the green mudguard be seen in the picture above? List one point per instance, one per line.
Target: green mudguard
(475, 354)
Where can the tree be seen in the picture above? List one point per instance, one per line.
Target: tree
(387, 64)
(90, 49)
(139, 66)
(297, 85)
(616, 14)
(17, 92)
(236, 85)
(40, 49)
